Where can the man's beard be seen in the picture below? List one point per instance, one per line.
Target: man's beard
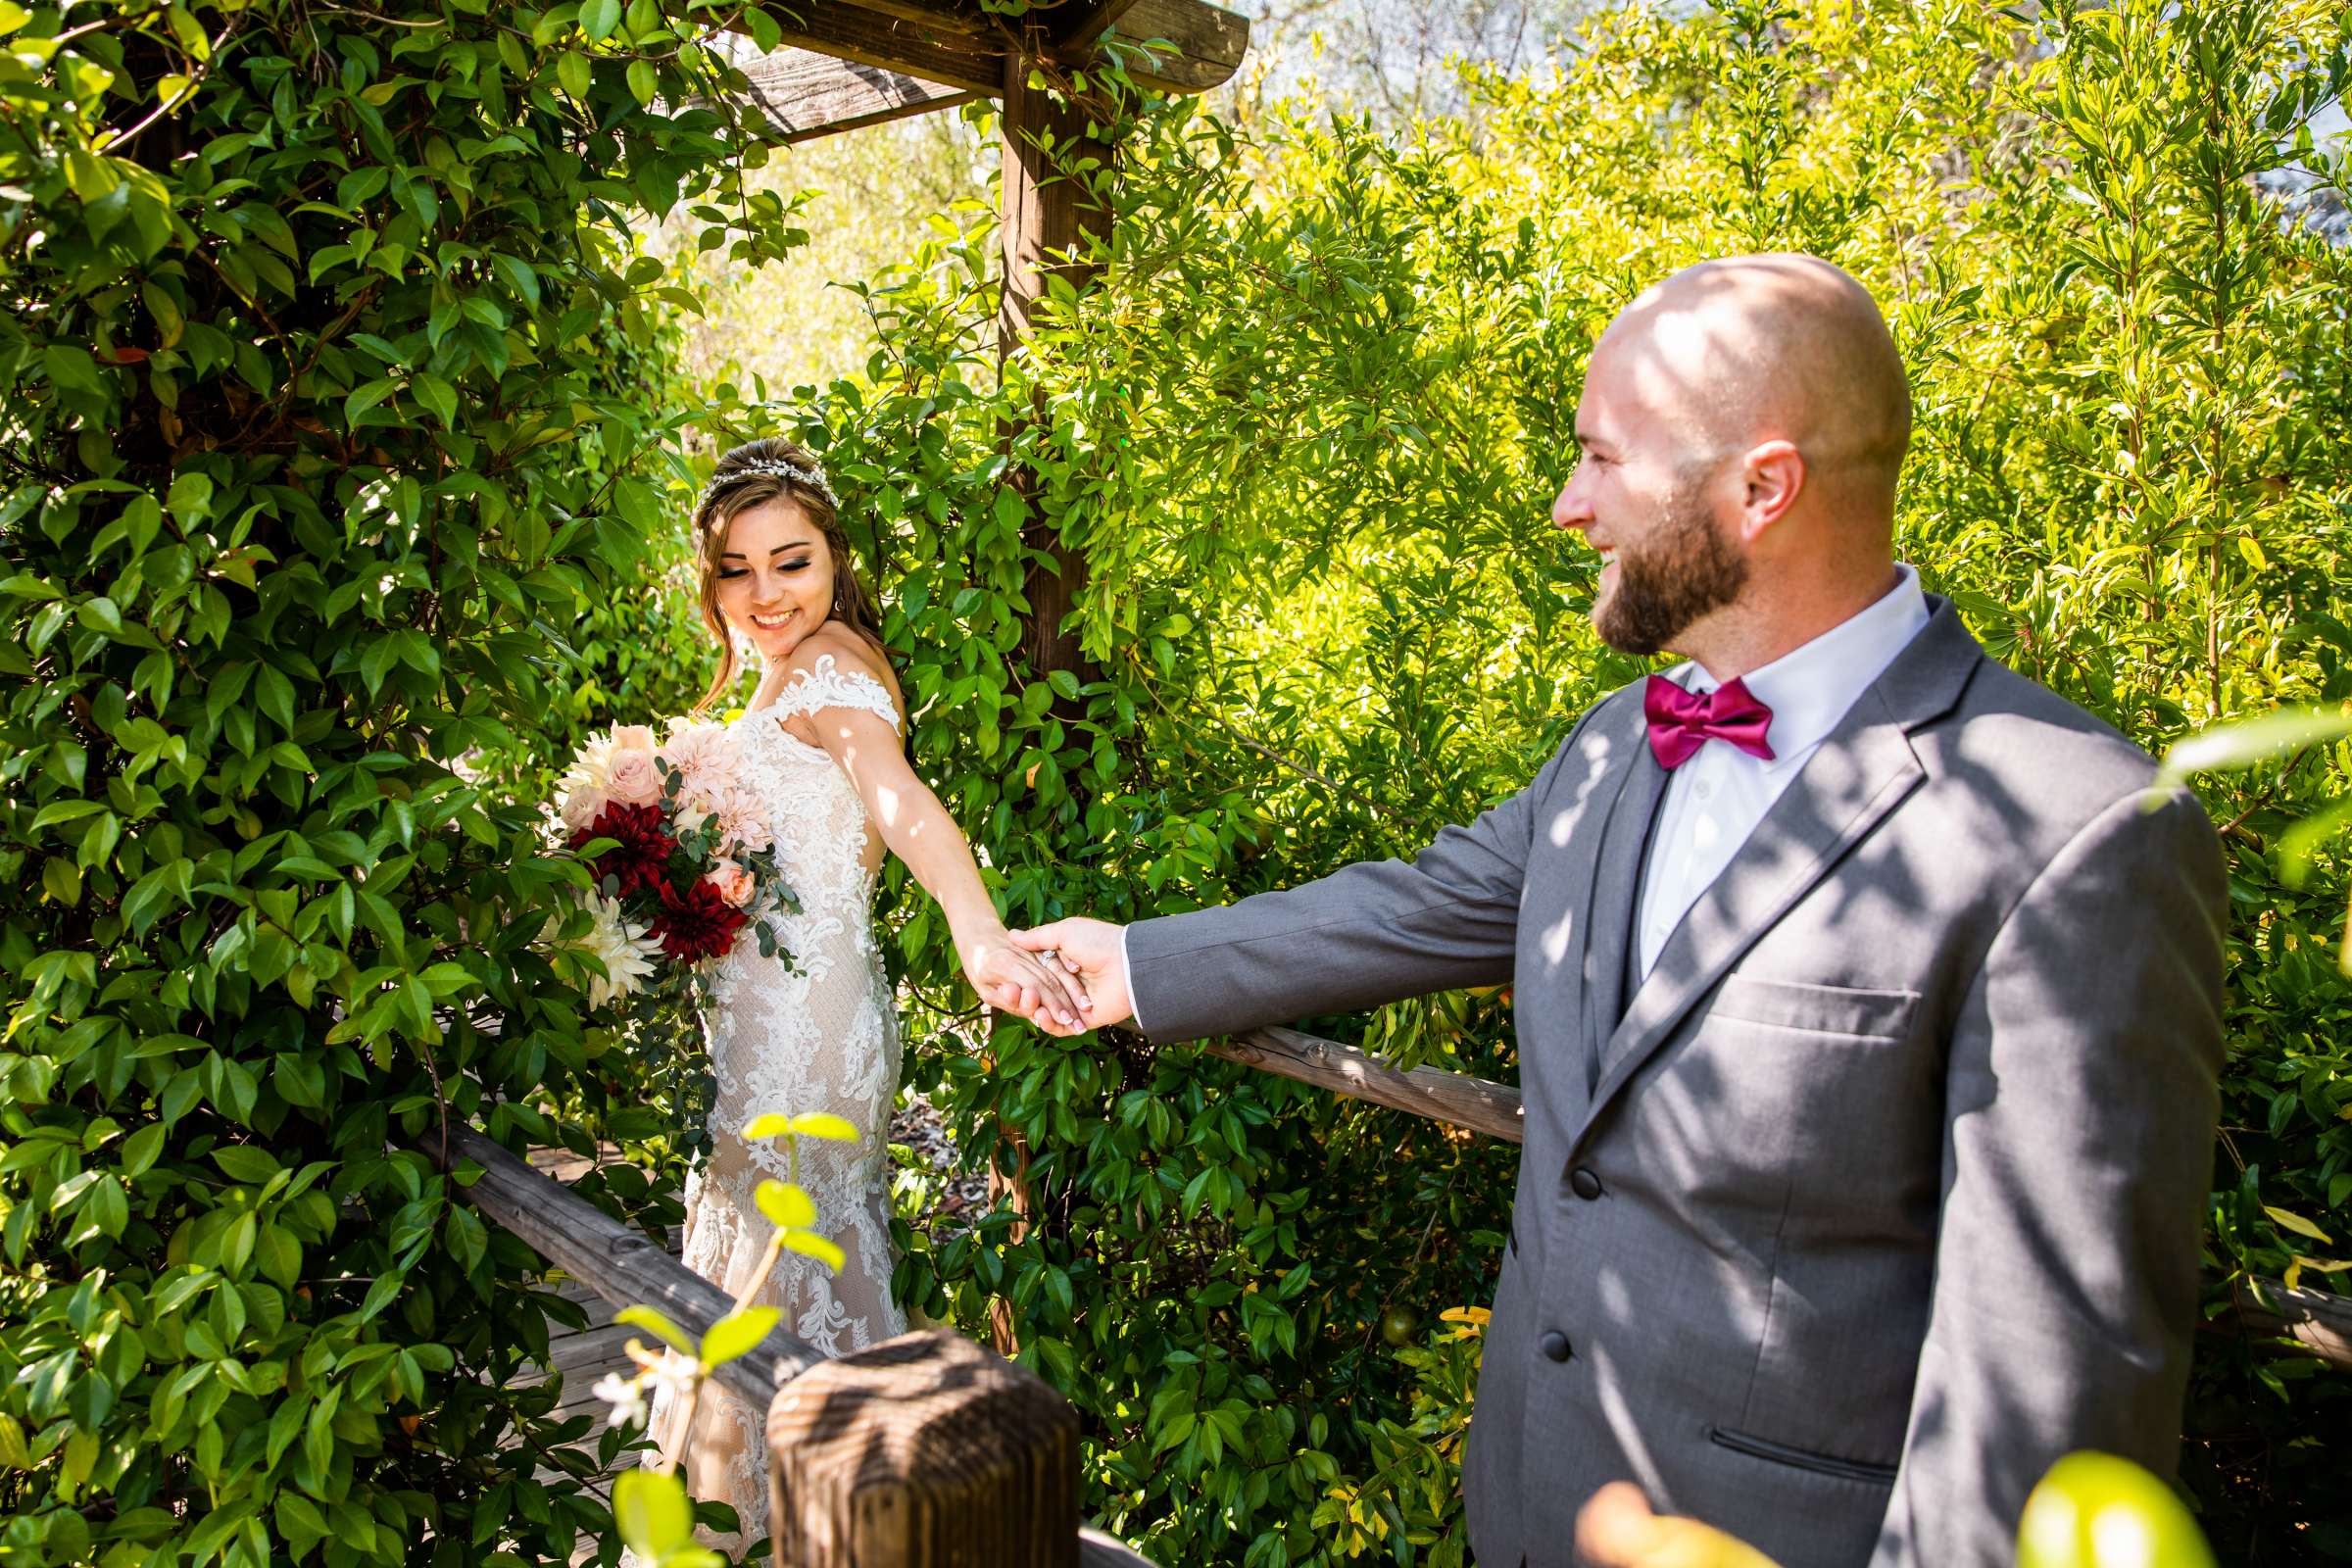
(1687, 572)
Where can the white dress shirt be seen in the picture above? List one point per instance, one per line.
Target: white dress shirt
(1715, 799)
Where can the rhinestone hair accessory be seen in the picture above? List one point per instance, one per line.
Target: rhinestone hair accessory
(814, 477)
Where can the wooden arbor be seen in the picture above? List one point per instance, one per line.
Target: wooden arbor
(851, 62)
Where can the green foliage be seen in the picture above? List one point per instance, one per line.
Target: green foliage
(339, 434)
(1304, 432)
(1412, 1495)
(332, 380)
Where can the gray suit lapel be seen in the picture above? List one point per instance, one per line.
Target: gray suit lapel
(1616, 882)
(1555, 1065)
(1861, 772)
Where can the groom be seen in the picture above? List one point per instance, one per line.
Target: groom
(1868, 1006)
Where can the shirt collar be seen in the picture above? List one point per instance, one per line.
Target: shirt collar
(1810, 686)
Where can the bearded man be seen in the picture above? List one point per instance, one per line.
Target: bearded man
(1867, 999)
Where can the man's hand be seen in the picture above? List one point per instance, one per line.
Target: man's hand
(1091, 949)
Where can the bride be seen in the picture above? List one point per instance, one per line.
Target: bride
(824, 748)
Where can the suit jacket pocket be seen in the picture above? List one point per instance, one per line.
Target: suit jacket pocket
(1819, 1464)
(1818, 1009)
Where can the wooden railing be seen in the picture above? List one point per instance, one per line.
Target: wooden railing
(2313, 1322)
(924, 1450)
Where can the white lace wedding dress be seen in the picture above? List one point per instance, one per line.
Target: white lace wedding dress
(821, 1035)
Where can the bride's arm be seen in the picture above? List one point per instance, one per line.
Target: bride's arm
(919, 831)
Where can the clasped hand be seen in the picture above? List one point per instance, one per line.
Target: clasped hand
(1066, 978)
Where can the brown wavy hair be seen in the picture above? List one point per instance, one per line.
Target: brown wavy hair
(736, 487)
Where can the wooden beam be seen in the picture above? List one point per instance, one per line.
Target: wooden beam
(1077, 24)
(803, 94)
(1194, 45)
(945, 16)
(2313, 1322)
(622, 1266)
(932, 48)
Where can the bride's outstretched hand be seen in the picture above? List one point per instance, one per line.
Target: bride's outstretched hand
(1093, 951)
(1012, 980)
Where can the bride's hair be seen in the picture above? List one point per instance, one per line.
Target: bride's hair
(747, 476)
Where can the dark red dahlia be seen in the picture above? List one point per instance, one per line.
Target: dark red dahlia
(696, 924)
(640, 855)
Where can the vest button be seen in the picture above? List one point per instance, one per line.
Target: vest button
(1583, 1183)
(1553, 1345)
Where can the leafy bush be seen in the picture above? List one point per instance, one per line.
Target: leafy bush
(332, 380)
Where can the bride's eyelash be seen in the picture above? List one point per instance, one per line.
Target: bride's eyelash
(730, 573)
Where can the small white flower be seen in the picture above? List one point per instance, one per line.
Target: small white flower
(627, 1397)
(674, 1372)
(628, 955)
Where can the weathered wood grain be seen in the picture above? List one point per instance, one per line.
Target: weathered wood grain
(2320, 1323)
(803, 94)
(622, 1266)
(931, 46)
(1193, 46)
(923, 1451)
(1452, 1098)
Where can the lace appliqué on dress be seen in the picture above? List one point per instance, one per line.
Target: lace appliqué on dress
(825, 684)
(816, 1032)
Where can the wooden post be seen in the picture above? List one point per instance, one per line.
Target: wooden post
(1049, 222)
(1048, 215)
(924, 1450)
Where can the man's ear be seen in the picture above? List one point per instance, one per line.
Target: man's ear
(1772, 476)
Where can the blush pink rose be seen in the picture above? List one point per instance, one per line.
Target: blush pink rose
(734, 884)
(633, 779)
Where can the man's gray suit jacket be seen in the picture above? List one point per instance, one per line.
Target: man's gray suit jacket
(1884, 1189)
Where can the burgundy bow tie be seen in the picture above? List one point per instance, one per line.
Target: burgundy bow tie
(1681, 722)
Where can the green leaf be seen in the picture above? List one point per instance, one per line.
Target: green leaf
(140, 1148)
(572, 71)
(597, 19)
(2241, 743)
(824, 1124)
(364, 396)
(811, 1245)
(2287, 1220)
(641, 84)
(786, 1205)
(737, 1334)
(191, 498)
(242, 1162)
(650, 1509)
(437, 395)
(653, 1322)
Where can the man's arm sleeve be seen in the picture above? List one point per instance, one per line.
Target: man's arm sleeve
(2078, 1152)
(1368, 934)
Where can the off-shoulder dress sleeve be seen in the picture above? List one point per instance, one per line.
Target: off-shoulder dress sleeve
(825, 684)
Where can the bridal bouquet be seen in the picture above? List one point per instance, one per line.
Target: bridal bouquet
(682, 852)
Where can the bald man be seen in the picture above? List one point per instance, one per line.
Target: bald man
(1867, 999)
